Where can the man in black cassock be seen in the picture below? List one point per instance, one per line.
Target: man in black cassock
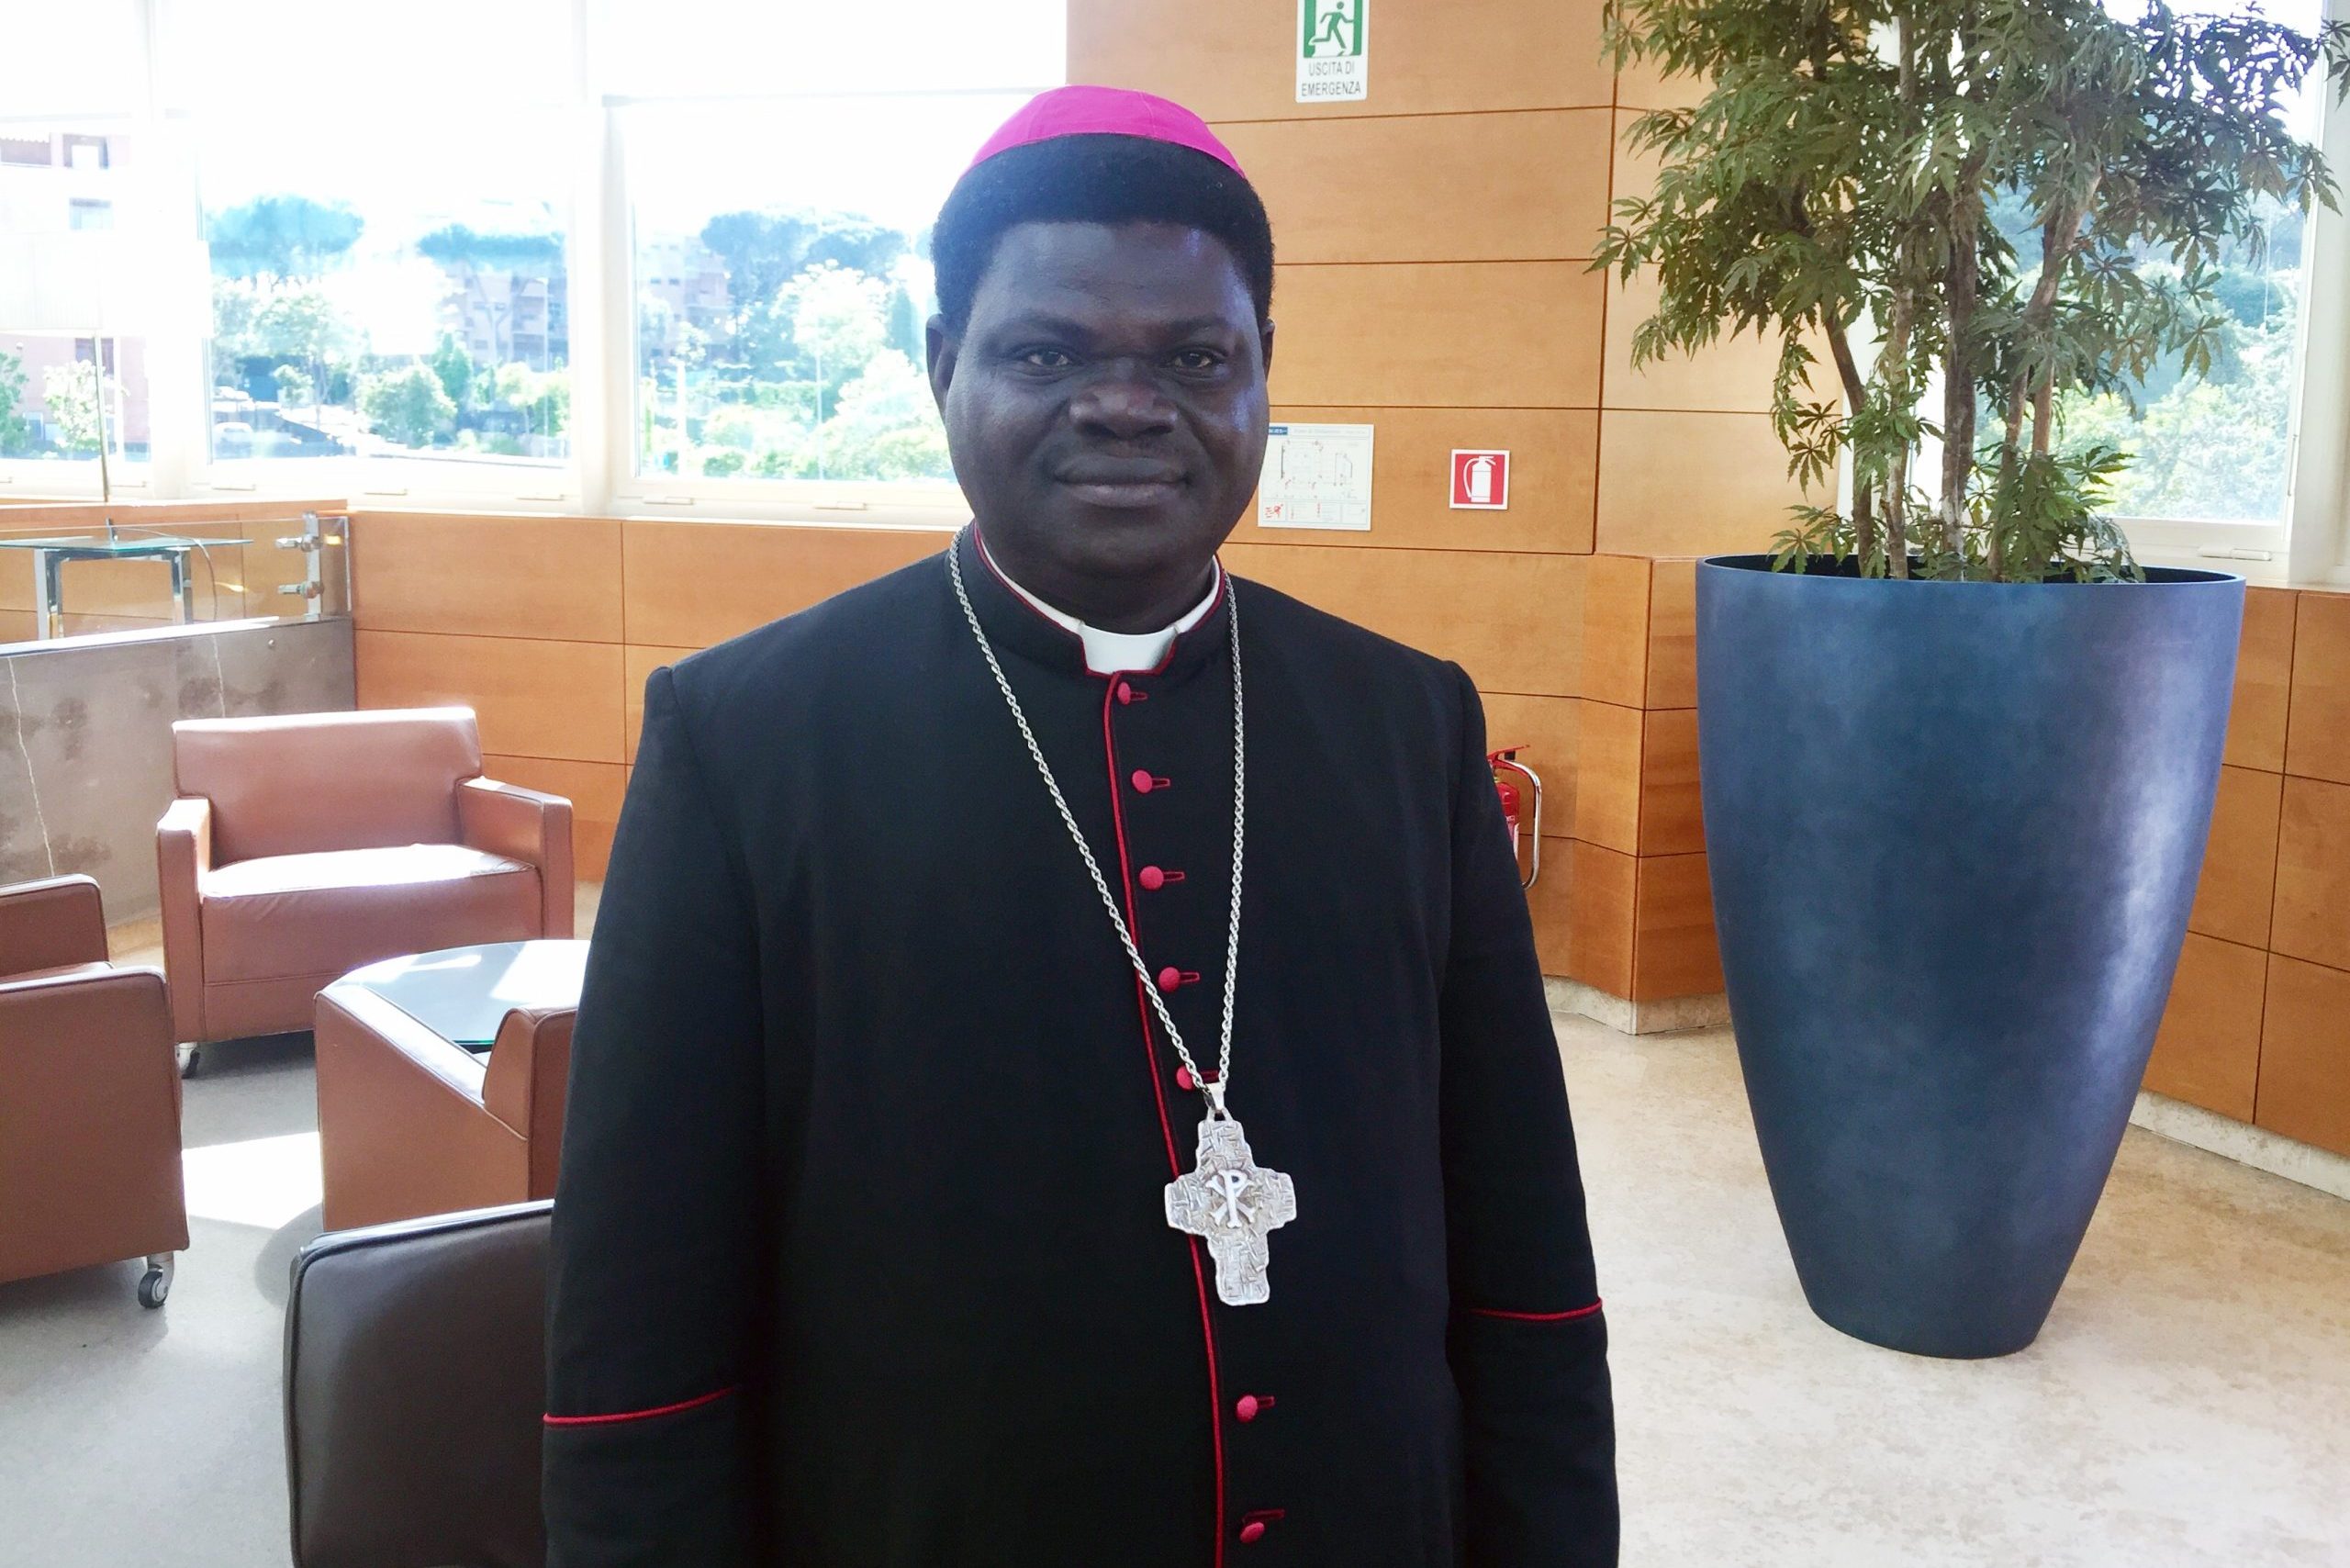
(906, 1216)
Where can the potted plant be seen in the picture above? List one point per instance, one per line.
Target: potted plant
(1957, 748)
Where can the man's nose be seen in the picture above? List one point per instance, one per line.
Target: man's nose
(1123, 402)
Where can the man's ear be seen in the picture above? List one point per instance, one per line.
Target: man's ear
(1265, 341)
(942, 343)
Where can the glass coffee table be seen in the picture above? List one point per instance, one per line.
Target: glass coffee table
(462, 994)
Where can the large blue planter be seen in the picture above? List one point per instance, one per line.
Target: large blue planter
(1954, 829)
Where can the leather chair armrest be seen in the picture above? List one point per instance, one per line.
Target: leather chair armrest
(182, 855)
(50, 923)
(431, 1060)
(527, 825)
(136, 990)
(529, 1070)
(401, 1125)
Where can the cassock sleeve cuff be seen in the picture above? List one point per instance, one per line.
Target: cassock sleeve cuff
(615, 1417)
(1567, 1316)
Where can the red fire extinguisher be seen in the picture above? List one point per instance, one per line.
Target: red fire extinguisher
(1504, 763)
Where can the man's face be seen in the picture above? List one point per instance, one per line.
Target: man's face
(1105, 407)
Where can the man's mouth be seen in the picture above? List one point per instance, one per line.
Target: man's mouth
(1105, 483)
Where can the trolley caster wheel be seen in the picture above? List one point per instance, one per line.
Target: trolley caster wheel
(191, 1058)
(154, 1285)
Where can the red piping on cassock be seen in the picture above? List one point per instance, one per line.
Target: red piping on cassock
(1158, 1092)
(1536, 1317)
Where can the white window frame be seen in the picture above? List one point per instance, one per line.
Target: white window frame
(2318, 550)
(419, 483)
(2308, 544)
(2312, 545)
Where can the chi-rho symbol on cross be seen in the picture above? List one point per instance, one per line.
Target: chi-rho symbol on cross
(1231, 1204)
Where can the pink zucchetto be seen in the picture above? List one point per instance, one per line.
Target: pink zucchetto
(1105, 111)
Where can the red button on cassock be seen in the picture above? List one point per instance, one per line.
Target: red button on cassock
(1247, 1408)
(1125, 692)
(1183, 1078)
(1170, 978)
(1151, 877)
(1252, 1533)
(1143, 782)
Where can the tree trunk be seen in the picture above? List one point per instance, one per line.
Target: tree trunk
(1893, 373)
(2043, 415)
(1897, 523)
(1904, 320)
(1962, 278)
(1848, 372)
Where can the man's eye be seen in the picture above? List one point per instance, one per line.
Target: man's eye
(1047, 359)
(1198, 359)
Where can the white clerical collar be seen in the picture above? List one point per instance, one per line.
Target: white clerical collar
(1115, 653)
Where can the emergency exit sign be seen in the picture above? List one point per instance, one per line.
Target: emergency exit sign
(1333, 50)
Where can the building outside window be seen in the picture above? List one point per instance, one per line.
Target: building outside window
(58, 186)
(74, 352)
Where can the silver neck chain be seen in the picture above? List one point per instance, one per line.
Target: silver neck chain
(1216, 1088)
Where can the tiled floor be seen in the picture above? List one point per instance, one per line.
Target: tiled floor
(2188, 1405)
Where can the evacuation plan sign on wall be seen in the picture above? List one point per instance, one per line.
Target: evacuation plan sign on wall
(1316, 476)
(1333, 50)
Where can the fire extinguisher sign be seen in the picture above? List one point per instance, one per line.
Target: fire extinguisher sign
(1333, 50)
(1479, 481)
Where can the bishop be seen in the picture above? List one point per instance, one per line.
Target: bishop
(953, 928)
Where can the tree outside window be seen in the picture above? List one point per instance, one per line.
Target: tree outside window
(781, 302)
(310, 320)
(2215, 446)
(786, 344)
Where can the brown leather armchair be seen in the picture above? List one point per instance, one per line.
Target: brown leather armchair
(411, 1124)
(90, 1110)
(415, 1382)
(307, 845)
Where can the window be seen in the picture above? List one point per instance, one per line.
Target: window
(2213, 456)
(55, 399)
(778, 201)
(389, 272)
(574, 254)
(73, 340)
(780, 300)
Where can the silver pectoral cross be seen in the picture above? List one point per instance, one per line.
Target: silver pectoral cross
(1232, 1203)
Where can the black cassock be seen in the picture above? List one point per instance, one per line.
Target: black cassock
(861, 1254)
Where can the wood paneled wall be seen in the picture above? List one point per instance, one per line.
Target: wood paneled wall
(548, 626)
(1434, 283)
(2259, 1021)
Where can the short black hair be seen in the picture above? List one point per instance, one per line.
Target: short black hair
(1097, 177)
